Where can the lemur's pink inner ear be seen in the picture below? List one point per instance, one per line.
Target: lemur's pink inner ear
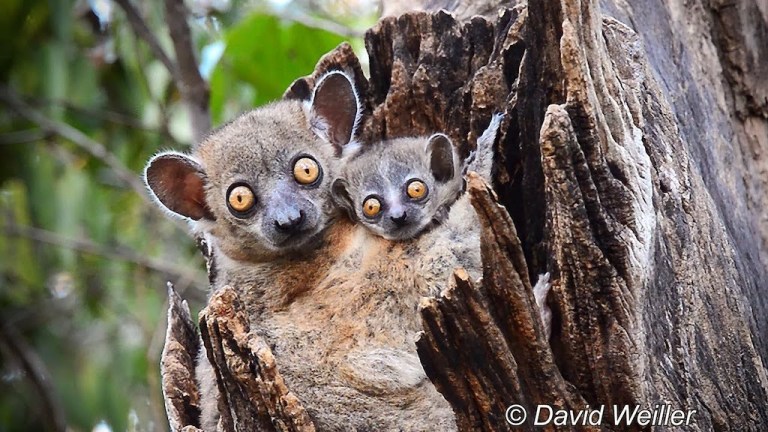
(440, 150)
(335, 109)
(177, 182)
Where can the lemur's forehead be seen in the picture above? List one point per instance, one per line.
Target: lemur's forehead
(396, 171)
(265, 140)
(389, 164)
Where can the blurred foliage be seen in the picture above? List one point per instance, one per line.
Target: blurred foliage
(83, 257)
(291, 50)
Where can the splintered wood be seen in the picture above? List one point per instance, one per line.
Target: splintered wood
(253, 396)
(177, 365)
(483, 344)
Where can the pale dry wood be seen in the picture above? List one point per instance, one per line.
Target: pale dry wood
(177, 365)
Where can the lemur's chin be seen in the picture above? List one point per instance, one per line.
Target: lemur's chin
(295, 240)
(403, 233)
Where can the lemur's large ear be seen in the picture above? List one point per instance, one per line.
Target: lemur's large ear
(176, 181)
(441, 162)
(340, 196)
(334, 110)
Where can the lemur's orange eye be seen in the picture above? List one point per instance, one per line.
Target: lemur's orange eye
(416, 189)
(306, 170)
(371, 207)
(241, 198)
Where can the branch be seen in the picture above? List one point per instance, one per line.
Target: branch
(194, 90)
(185, 73)
(22, 137)
(140, 27)
(322, 24)
(94, 148)
(107, 115)
(38, 375)
(90, 247)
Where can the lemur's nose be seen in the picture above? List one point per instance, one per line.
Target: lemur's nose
(289, 223)
(400, 220)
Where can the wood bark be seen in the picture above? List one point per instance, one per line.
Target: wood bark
(631, 165)
(177, 365)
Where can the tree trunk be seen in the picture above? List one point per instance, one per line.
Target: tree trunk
(631, 165)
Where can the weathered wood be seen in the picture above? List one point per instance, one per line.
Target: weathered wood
(462, 9)
(253, 394)
(429, 73)
(177, 366)
(709, 58)
(630, 230)
(484, 345)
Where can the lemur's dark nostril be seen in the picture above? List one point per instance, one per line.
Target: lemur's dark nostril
(289, 224)
(400, 220)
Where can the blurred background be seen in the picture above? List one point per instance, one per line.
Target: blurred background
(84, 256)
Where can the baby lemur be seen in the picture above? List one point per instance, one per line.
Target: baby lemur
(410, 187)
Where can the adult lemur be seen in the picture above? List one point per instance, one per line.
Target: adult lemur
(258, 190)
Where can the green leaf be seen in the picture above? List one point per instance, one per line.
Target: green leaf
(263, 56)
